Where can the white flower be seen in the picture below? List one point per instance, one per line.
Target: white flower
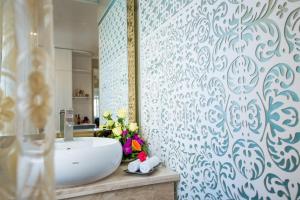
(117, 124)
(122, 113)
(117, 131)
(133, 127)
(106, 114)
(110, 123)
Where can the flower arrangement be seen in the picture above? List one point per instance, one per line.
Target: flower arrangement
(134, 146)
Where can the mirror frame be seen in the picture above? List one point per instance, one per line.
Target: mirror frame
(132, 59)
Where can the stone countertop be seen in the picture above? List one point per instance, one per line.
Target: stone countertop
(117, 181)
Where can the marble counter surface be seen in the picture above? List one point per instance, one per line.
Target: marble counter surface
(117, 181)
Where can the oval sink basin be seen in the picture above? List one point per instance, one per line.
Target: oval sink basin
(85, 160)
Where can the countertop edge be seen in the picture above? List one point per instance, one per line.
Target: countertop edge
(64, 193)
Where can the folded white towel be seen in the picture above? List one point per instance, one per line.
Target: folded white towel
(134, 166)
(149, 164)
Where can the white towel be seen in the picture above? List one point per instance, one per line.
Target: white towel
(149, 164)
(134, 166)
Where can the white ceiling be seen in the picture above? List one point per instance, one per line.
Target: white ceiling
(75, 24)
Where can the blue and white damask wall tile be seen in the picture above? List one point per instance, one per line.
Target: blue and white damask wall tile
(113, 58)
(225, 109)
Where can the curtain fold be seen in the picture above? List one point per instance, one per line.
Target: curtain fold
(8, 147)
(26, 100)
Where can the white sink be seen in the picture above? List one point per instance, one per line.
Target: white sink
(85, 160)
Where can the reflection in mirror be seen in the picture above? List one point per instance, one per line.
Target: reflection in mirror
(95, 87)
(76, 62)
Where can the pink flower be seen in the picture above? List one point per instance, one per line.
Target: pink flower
(138, 139)
(127, 147)
(124, 132)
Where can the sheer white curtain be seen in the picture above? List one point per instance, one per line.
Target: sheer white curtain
(8, 153)
(26, 118)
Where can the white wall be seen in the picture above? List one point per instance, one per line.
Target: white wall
(75, 25)
(63, 82)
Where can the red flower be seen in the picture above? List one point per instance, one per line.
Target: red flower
(142, 156)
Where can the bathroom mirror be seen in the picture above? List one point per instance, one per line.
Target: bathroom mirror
(95, 58)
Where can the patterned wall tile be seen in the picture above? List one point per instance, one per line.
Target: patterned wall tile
(156, 12)
(113, 58)
(219, 95)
